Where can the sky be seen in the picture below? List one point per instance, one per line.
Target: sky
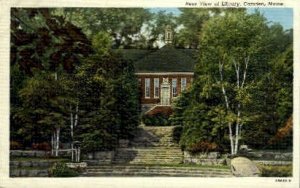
(284, 16)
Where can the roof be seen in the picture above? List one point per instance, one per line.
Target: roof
(166, 59)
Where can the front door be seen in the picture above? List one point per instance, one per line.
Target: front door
(165, 92)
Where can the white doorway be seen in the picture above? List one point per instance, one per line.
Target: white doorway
(165, 92)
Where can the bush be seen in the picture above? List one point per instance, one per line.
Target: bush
(61, 170)
(14, 145)
(157, 119)
(177, 131)
(276, 171)
(41, 146)
(203, 146)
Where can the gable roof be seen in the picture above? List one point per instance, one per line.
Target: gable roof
(166, 59)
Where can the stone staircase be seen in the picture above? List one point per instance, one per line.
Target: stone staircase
(153, 153)
(148, 155)
(151, 145)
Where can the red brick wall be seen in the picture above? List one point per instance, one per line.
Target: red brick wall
(153, 100)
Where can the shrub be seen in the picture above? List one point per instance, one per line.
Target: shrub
(41, 146)
(203, 146)
(276, 171)
(177, 133)
(14, 145)
(61, 170)
(157, 119)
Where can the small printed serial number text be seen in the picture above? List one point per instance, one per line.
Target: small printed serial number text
(283, 180)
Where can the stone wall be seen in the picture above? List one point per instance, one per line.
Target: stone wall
(30, 168)
(269, 155)
(99, 157)
(29, 153)
(211, 158)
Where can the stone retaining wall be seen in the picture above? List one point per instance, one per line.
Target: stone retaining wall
(29, 153)
(28, 173)
(269, 155)
(100, 157)
(211, 158)
(44, 164)
(23, 168)
(277, 163)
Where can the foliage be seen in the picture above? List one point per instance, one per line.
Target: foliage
(274, 97)
(55, 67)
(179, 106)
(42, 52)
(203, 146)
(109, 101)
(43, 107)
(122, 24)
(156, 120)
(276, 171)
(14, 145)
(45, 146)
(261, 96)
(61, 170)
(41, 40)
(192, 20)
(176, 134)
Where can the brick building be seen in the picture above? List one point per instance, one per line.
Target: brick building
(164, 73)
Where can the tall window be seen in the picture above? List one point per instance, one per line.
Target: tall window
(183, 84)
(156, 87)
(147, 87)
(174, 87)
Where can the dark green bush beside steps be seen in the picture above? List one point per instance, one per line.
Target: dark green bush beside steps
(61, 170)
(157, 120)
(276, 171)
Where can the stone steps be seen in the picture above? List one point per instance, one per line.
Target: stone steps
(144, 170)
(151, 145)
(149, 136)
(152, 155)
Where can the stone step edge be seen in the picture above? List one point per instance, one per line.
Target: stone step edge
(159, 174)
(150, 166)
(157, 171)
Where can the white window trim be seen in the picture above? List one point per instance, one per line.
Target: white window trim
(182, 89)
(147, 97)
(154, 87)
(174, 87)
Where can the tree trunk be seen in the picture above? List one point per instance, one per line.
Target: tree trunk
(71, 126)
(52, 144)
(221, 65)
(57, 141)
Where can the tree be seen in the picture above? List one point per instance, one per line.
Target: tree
(122, 24)
(43, 45)
(109, 101)
(228, 94)
(273, 95)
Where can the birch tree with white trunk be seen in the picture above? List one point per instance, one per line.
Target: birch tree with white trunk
(229, 44)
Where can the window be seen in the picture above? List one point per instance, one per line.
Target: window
(183, 84)
(156, 87)
(168, 36)
(147, 87)
(174, 87)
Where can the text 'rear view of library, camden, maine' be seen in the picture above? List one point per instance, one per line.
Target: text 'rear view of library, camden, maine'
(151, 92)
